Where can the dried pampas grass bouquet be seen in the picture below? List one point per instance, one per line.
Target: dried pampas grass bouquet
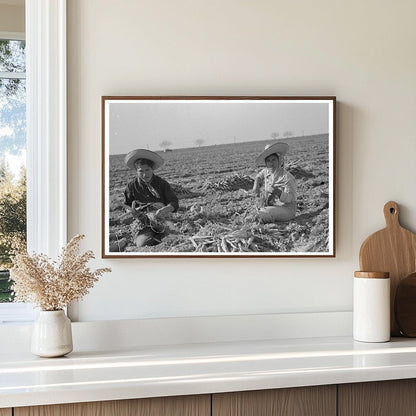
(53, 285)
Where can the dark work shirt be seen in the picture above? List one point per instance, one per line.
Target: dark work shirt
(138, 191)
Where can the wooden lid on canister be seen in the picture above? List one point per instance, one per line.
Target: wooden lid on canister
(372, 275)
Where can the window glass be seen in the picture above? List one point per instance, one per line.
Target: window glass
(12, 56)
(12, 156)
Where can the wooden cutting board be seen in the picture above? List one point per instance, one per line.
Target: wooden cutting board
(393, 250)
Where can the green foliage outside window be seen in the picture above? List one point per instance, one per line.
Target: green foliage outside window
(12, 224)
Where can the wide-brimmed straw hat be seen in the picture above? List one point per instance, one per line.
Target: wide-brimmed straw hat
(280, 148)
(132, 156)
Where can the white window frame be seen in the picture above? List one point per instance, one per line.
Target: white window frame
(46, 134)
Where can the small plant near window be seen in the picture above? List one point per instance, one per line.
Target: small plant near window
(52, 285)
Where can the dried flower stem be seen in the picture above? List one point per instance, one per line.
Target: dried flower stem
(53, 285)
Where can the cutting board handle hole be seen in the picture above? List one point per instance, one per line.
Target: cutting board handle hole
(392, 211)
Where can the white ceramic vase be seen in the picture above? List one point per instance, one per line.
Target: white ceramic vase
(52, 334)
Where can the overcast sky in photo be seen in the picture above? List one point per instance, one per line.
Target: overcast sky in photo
(138, 124)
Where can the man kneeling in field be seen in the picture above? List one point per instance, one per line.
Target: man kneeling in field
(149, 197)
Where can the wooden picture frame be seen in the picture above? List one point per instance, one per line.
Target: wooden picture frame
(210, 146)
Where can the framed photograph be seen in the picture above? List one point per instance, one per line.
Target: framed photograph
(218, 176)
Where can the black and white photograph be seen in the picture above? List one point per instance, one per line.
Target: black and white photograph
(218, 176)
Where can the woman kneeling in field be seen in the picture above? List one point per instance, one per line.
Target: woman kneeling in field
(149, 197)
(275, 187)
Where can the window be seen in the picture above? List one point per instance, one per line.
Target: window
(46, 135)
(12, 153)
(12, 165)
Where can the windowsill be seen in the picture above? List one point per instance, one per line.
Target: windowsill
(16, 313)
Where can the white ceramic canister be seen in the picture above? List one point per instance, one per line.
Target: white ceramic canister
(371, 309)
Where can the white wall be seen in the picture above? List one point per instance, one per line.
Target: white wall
(363, 52)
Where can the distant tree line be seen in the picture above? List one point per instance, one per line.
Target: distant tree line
(286, 134)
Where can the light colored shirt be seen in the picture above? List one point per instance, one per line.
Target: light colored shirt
(280, 179)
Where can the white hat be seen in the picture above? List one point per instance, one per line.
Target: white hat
(280, 148)
(131, 157)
